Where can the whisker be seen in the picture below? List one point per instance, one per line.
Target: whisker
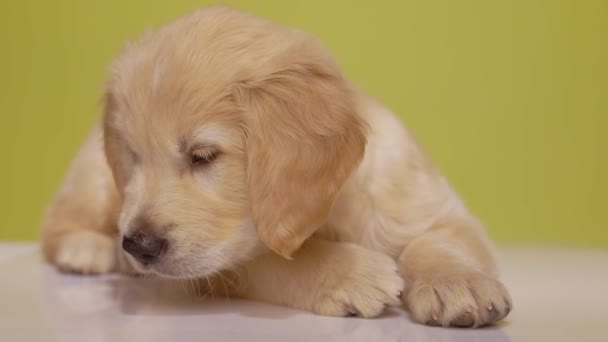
(223, 280)
(182, 285)
(210, 286)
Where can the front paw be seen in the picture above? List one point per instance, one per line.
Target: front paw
(469, 300)
(362, 286)
(86, 252)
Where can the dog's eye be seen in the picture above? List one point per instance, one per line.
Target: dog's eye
(202, 156)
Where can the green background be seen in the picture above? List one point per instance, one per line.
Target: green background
(510, 98)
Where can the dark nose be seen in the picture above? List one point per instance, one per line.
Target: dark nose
(144, 247)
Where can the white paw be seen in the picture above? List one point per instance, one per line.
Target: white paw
(86, 252)
(363, 286)
(469, 300)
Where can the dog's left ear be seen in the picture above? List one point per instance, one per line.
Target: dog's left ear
(304, 139)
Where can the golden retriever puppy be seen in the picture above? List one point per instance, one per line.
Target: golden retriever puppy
(233, 147)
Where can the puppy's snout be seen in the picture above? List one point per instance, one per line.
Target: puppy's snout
(144, 247)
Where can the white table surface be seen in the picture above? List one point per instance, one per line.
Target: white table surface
(560, 294)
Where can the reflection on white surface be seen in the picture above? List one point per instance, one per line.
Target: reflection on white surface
(50, 306)
(139, 309)
(560, 294)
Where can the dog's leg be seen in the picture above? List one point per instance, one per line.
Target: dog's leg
(328, 278)
(451, 278)
(79, 229)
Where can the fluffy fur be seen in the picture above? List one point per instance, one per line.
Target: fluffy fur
(317, 197)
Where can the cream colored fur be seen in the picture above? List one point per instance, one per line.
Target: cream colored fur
(317, 197)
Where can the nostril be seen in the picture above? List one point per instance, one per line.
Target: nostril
(146, 248)
(128, 244)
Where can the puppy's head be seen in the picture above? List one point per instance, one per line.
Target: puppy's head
(223, 130)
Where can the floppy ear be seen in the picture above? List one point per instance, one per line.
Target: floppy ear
(304, 139)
